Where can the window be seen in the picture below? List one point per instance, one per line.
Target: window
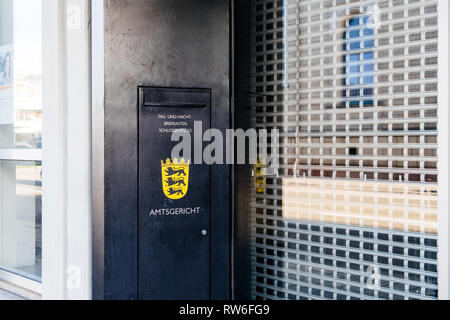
(358, 62)
(20, 139)
(352, 213)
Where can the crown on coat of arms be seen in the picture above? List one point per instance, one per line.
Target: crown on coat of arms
(175, 162)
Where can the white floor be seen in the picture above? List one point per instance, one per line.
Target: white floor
(8, 296)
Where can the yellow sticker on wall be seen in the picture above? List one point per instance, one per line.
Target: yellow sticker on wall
(175, 178)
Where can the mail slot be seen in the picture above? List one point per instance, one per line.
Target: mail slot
(174, 197)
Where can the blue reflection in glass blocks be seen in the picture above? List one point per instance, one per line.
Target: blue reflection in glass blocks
(360, 65)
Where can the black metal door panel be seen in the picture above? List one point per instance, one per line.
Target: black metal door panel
(175, 198)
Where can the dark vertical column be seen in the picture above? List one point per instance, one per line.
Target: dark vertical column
(220, 181)
(170, 43)
(121, 199)
(242, 82)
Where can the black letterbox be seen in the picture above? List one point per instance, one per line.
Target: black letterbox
(174, 197)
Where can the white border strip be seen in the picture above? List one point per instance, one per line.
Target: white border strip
(66, 201)
(443, 150)
(54, 153)
(78, 144)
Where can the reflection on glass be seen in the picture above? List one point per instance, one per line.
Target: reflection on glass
(20, 218)
(20, 74)
(359, 66)
(352, 87)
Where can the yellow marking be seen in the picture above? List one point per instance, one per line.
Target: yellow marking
(175, 178)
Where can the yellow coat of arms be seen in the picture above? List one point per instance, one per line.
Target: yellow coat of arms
(175, 178)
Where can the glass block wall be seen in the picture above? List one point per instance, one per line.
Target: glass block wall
(352, 87)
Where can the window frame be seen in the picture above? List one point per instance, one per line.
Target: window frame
(240, 213)
(67, 154)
